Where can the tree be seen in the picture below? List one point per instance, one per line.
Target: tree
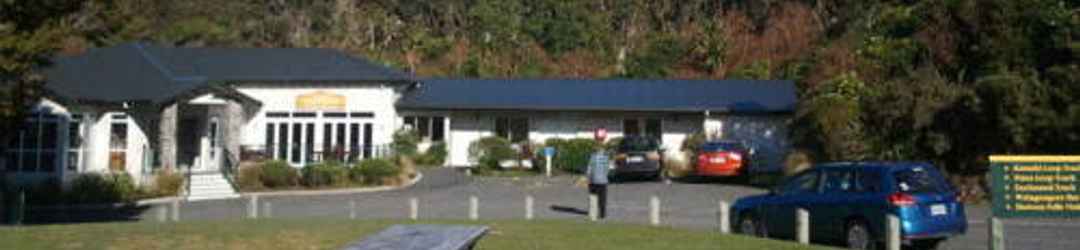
(30, 31)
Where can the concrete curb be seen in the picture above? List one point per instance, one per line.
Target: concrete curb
(412, 182)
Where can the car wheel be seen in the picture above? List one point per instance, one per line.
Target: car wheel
(750, 225)
(930, 244)
(858, 236)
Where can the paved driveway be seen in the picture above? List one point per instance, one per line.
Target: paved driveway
(443, 194)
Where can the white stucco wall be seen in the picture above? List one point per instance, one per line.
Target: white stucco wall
(95, 151)
(378, 99)
(469, 126)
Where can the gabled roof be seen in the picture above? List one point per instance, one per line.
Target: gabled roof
(143, 72)
(744, 96)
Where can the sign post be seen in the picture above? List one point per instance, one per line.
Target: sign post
(1032, 186)
(549, 152)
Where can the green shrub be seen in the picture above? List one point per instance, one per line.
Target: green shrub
(373, 171)
(102, 188)
(277, 174)
(249, 177)
(44, 193)
(572, 155)
(167, 183)
(613, 143)
(325, 174)
(435, 155)
(405, 141)
(489, 151)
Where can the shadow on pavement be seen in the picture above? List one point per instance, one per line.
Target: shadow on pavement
(80, 214)
(569, 210)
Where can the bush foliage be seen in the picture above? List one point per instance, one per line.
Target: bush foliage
(571, 155)
(277, 174)
(490, 151)
(325, 174)
(373, 171)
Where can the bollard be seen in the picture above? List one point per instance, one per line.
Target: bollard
(528, 207)
(162, 213)
(474, 207)
(654, 210)
(892, 236)
(723, 217)
(468, 171)
(253, 207)
(268, 210)
(414, 208)
(176, 210)
(547, 165)
(352, 209)
(20, 208)
(997, 234)
(802, 226)
(594, 206)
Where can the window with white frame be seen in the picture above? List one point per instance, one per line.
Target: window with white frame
(35, 149)
(118, 142)
(429, 128)
(652, 127)
(76, 135)
(513, 129)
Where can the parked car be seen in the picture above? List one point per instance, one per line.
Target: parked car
(722, 158)
(638, 156)
(848, 203)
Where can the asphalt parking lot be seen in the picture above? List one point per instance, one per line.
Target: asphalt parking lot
(443, 194)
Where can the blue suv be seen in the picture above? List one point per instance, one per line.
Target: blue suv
(848, 203)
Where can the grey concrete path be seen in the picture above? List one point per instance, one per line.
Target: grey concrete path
(444, 194)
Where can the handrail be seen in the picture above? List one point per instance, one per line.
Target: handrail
(229, 168)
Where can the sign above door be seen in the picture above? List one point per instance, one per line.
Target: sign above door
(320, 100)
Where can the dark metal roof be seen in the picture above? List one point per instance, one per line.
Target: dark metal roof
(753, 96)
(143, 72)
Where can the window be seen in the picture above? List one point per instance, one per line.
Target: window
(918, 180)
(269, 140)
(118, 143)
(367, 140)
(801, 184)
(513, 129)
(295, 146)
(869, 182)
(838, 182)
(354, 141)
(282, 141)
(633, 127)
(429, 128)
(75, 137)
(309, 142)
(36, 147)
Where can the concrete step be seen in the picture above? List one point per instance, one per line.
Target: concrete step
(210, 187)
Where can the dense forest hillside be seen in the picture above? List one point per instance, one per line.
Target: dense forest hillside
(949, 81)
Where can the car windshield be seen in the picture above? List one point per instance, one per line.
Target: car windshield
(918, 180)
(631, 144)
(721, 146)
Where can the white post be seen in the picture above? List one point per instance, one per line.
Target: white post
(723, 217)
(253, 207)
(176, 210)
(268, 211)
(892, 237)
(468, 171)
(594, 206)
(163, 213)
(414, 208)
(997, 234)
(529, 207)
(547, 165)
(352, 209)
(654, 210)
(802, 226)
(474, 207)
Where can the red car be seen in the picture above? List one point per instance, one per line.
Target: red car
(722, 158)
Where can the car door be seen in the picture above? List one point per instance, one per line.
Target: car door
(798, 192)
(834, 205)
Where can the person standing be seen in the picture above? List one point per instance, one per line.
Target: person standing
(597, 174)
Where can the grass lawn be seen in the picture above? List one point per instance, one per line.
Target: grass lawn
(336, 233)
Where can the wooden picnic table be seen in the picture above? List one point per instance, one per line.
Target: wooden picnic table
(421, 237)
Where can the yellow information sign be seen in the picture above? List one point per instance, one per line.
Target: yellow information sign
(1042, 186)
(321, 100)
